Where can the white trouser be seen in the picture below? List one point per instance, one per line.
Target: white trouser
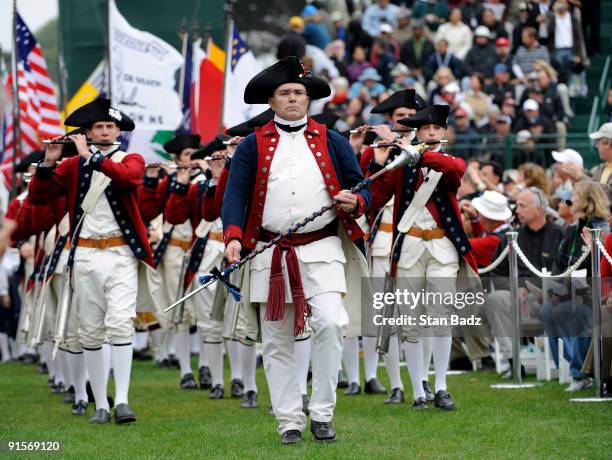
(328, 320)
(106, 285)
(211, 329)
(170, 269)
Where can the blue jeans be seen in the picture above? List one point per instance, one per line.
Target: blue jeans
(572, 324)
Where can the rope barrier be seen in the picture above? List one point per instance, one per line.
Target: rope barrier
(495, 263)
(603, 251)
(585, 252)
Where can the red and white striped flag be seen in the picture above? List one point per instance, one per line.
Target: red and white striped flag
(40, 118)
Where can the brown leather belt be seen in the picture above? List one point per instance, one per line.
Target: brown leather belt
(102, 243)
(185, 245)
(385, 227)
(427, 234)
(216, 236)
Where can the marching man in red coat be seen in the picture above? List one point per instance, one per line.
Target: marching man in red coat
(289, 168)
(109, 240)
(430, 244)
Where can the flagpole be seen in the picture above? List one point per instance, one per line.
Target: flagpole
(184, 35)
(63, 76)
(17, 141)
(108, 53)
(229, 28)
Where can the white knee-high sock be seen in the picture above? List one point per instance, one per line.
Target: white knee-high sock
(62, 363)
(350, 358)
(98, 376)
(57, 368)
(248, 360)
(234, 359)
(76, 364)
(303, 350)
(4, 348)
(392, 363)
(214, 351)
(14, 346)
(194, 342)
(413, 351)
(140, 340)
(106, 353)
(441, 355)
(45, 357)
(427, 344)
(370, 357)
(170, 342)
(203, 358)
(159, 345)
(121, 357)
(182, 351)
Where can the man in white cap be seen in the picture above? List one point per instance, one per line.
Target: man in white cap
(603, 138)
(568, 167)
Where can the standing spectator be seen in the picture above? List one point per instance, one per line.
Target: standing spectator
(377, 14)
(357, 65)
(368, 86)
(315, 33)
(539, 20)
(566, 36)
(481, 58)
(528, 53)
(457, 34)
(416, 51)
(293, 42)
(523, 21)
(471, 12)
(443, 58)
(433, 12)
(476, 98)
(495, 27)
(500, 88)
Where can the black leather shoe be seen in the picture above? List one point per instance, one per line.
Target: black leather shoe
(123, 414)
(249, 400)
(305, 404)
(100, 417)
(444, 401)
(342, 381)
(173, 362)
(69, 395)
(323, 431)
(188, 382)
(51, 382)
(396, 397)
(291, 437)
(216, 392)
(58, 388)
(419, 404)
(205, 378)
(79, 408)
(42, 368)
(429, 396)
(353, 389)
(373, 387)
(237, 388)
(91, 399)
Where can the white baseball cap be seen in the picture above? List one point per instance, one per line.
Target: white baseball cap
(492, 205)
(531, 104)
(568, 156)
(386, 28)
(482, 31)
(604, 131)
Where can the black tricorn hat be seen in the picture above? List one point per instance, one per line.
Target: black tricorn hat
(242, 130)
(213, 146)
(403, 98)
(247, 127)
(435, 114)
(99, 110)
(181, 142)
(287, 70)
(327, 118)
(31, 158)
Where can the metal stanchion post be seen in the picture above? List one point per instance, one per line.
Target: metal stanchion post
(516, 319)
(596, 330)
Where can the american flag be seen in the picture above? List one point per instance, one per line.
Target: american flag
(40, 118)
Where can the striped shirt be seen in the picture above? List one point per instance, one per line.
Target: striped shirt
(526, 57)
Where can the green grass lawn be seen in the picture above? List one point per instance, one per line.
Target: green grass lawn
(174, 423)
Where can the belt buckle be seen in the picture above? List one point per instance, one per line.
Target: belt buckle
(102, 244)
(427, 234)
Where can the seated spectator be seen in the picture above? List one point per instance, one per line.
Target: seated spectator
(531, 116)
(336, 51)
(528, 53)
(339, 22)
(293, 42)
(356, 36)
(565, 207)
(504, 54)
(315, 33)
(354, 113)
(497, 8)
(477, 99)
(443, 58)
(471, 12)
(561, 88)
(402, 79)
(602, 173)
(358, 64)
(381, 12)
(383, 60)
(367, 86)
(533, 175)
(464, 136)
(496, 142)
(434, 13)
(482, 56)
(416, 51)
(341, 87)
(572, 322)
(523, 21)
(442, 77)
(491, 22)
(403, 31)
(449, 95)
(500, 88)
(491, 174)
(456, 33)
(386, 35)
(568, 165)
